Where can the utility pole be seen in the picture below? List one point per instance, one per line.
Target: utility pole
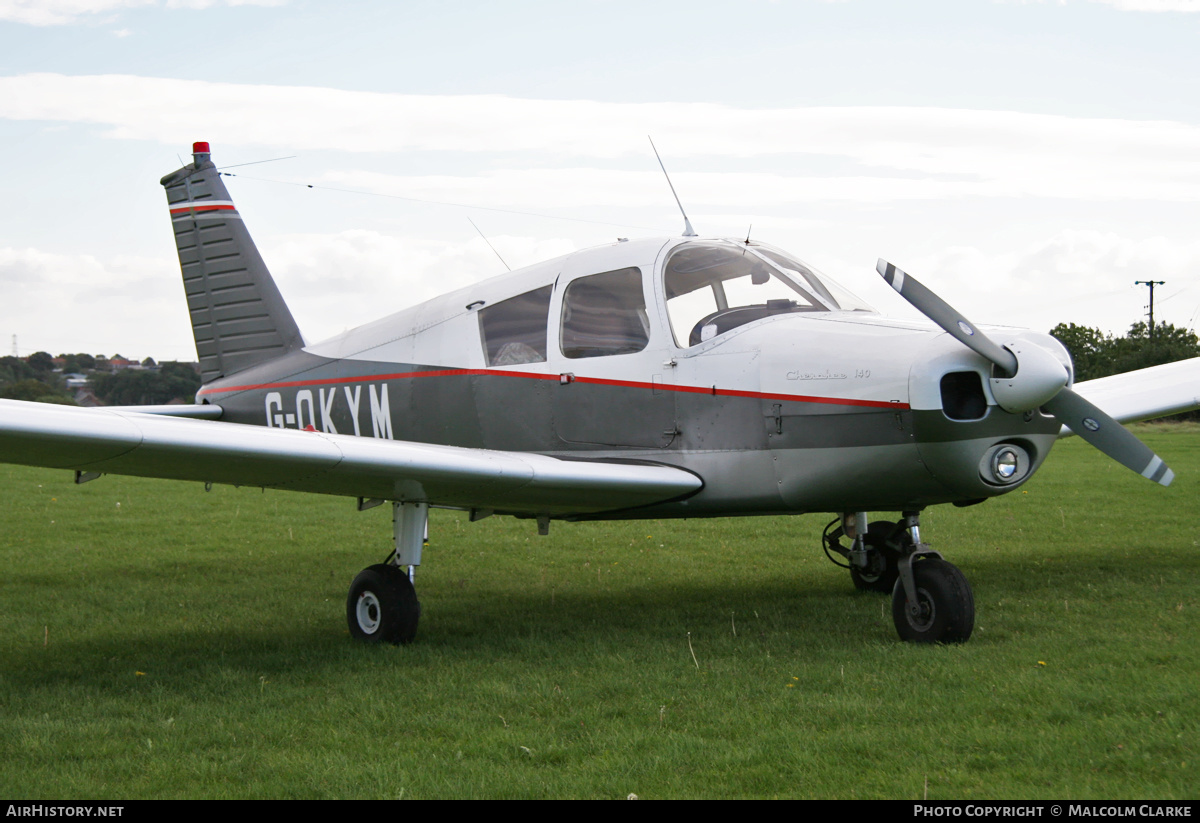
(1151, 284)
(14, 345)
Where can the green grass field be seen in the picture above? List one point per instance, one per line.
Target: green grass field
(161, 642)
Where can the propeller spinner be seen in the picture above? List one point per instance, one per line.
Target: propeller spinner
(1027, 377)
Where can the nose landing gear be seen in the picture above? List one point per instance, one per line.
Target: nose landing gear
(931, 599)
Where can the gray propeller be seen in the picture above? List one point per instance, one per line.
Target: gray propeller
(1039, 385)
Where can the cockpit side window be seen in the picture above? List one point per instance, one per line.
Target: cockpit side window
(712, 288)
(514, 330)
(605, 314)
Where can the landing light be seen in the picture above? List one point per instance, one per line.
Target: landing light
(1004, 464)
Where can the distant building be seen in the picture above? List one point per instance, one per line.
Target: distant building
(85, 397)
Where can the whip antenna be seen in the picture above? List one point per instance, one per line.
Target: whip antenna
(489, 242)
(688, 231)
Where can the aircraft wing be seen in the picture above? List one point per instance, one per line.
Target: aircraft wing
(1146, 393)
(148, 445)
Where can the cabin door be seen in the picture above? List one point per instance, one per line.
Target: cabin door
(609, 353)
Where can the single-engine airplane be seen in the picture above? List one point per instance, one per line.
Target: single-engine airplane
(673, 377)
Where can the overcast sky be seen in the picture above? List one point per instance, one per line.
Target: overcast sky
(1028, 161)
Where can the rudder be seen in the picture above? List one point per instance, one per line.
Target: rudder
(239, 318)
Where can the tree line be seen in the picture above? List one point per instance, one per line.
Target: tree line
(35, 378)
(1097, 354)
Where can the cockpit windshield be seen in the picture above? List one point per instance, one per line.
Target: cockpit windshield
(712, 287)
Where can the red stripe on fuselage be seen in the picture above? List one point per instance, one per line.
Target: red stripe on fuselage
(600, 381)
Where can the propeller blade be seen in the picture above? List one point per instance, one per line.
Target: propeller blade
(942, 313)
(1089, 422)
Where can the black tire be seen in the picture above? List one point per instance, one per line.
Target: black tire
(382, 606)
(883, 560)
(947, 607)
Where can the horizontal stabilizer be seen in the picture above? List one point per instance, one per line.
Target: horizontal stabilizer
(199, 411)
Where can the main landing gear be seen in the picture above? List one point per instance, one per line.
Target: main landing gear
(931, 599)
(382, 606)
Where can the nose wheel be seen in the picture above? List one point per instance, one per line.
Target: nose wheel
(943, 610)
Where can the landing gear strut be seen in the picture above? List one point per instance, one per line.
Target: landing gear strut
(931, 599)
(873, 559)
(382, 606)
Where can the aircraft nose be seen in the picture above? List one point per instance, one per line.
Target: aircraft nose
(978, 433)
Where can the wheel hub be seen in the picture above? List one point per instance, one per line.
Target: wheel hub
(367, 612)
(921, 613)
(876, 566)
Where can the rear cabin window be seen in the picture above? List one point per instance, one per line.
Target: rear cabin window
(514, 330)
(605, 314)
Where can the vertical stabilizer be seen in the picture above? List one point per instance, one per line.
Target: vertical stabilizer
(239, 318)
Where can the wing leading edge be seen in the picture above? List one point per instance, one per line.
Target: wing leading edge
(97, 440)
(1146, 393)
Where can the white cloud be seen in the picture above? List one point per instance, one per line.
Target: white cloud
(64, 12)
(1152, 5)
(895, 152)
(77, 302)
(337, 281)
(583, 187)
(331, 282)
(1127, 5)
(1075, 276)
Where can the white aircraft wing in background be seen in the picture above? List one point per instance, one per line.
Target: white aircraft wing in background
(1145, 394)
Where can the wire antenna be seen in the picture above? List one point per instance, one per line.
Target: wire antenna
(475, 206)
(256, 162)
(489, 242)
(688, 231)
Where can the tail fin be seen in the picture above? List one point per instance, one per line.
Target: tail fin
(239, 317)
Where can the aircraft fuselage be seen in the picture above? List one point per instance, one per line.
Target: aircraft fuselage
(787, 413)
